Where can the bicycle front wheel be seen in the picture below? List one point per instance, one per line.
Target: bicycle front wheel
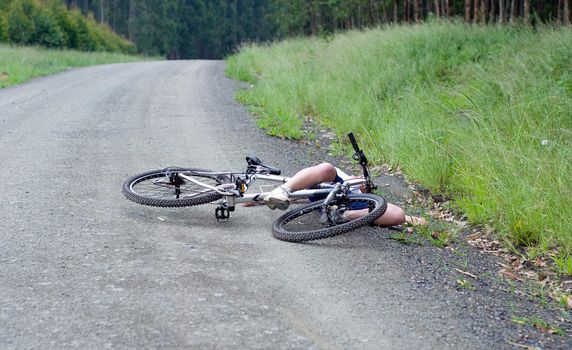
(314, 221)
(165, 188)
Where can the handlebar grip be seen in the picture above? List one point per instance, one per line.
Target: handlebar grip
(353, 141)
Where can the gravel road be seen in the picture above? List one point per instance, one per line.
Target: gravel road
(82, 267)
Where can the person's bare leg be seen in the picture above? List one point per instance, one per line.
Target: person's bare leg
(278, 198)
(308, 177)
(393, 216)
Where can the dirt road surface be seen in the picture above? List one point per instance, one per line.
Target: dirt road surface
(82, 267)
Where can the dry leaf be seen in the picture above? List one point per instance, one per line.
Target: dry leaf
(474, 236)
(569, 299)
(540, 262)
(502, 265)
(508, 274)
(523, 346)
(436, 214)
(516, 264)
(466, 273)
(545, 329)
(543, 279)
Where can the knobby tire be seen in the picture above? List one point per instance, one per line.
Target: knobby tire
(164, 195)
(282, 231)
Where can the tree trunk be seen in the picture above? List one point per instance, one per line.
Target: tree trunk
(512, 11)
(476, 11)
(483, 12)
(101, 15)
(527, 11)
(416, 10)
(566, 12)
(373, 16)
(501, 11)
(395, 19)
(131, 17)
(448, 8)
(540, 7)
(467, 10)
(235, 24)
(314, 19)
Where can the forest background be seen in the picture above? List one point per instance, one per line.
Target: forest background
(211, 29)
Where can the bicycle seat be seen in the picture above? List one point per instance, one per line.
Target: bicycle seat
(254, 161)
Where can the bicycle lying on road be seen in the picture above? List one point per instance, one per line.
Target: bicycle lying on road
(183, 187)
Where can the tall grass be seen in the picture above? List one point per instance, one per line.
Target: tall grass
(483, 114)
(18, 64)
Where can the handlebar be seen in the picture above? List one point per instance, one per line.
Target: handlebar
(361, 158)
(359, 155)
(353, 141)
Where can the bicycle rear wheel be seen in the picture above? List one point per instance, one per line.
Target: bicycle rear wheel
(313, 221)
(165, 188)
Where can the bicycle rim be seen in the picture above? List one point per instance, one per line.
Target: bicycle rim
(164, 188)
(310, 222)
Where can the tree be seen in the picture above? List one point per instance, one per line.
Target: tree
(3, 29)
(467, 10)
(526, 10)
(66, 24)
(213, 28)
(20, 26)
(46, 30)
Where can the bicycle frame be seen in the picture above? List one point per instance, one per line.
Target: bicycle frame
(169, 187)
(234, 192)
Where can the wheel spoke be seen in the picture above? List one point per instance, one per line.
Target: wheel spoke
(157, 189)
(311, 222)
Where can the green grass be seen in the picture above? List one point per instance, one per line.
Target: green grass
(19, 64)
(539, 323)
(483, 114)
(563, 264)
(466, 284)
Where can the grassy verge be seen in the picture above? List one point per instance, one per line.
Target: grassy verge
(19, 64)
(483, 114)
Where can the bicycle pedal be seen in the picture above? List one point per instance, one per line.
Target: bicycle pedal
(222, 213)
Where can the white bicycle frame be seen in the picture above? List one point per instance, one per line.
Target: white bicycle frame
(232, 195)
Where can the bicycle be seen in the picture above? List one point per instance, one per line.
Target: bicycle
(182, 187)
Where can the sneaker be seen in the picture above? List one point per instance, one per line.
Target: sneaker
(334, 216)
(278, 198)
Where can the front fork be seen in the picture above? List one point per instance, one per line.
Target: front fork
(325, 211)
